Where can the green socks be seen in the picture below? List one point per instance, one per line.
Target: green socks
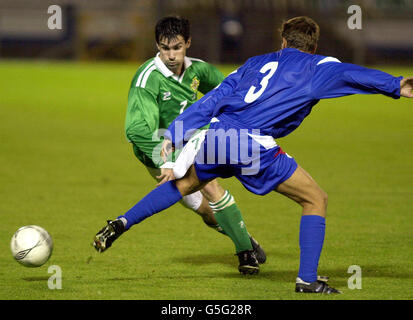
(229, 218)
(216, 227)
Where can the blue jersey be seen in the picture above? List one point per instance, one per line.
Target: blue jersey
(276, 91)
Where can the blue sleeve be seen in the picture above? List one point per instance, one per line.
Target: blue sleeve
(201, 112)
(334, 79)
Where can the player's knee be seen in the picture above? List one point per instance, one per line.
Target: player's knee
(189, 183)
(320, 198)
(317, 202)
(185, 186)
(320, 206)
(324, 199)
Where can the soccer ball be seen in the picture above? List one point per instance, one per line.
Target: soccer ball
(31, 246)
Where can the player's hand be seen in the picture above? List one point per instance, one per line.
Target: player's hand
(167, 149)
(166, 175)
(406, 87)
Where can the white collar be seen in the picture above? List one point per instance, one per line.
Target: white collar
(168, 73)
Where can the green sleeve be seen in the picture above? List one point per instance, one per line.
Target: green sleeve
(141, 124)
(210, 77)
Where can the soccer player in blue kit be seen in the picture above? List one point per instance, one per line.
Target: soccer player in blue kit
(265, 99)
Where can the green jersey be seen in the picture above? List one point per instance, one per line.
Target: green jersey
(157, 96)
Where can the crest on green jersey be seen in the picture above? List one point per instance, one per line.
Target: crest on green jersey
(195, 84)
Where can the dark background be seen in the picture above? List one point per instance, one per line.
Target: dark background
(224, 31)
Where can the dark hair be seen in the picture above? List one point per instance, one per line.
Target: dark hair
(301, 33)
(171, 27)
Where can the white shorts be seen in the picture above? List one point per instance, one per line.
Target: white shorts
(192, 201)
(187, 156)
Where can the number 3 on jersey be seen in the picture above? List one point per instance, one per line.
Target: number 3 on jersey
(253, 95)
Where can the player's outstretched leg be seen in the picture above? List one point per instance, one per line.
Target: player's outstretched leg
(301, 188)
(157, 200)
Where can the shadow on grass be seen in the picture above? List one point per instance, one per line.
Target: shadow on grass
(226, 258)
(35, 278)
(270, 271)
(338, 276)
(204, 259)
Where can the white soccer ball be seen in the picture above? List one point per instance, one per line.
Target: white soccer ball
(31, 246)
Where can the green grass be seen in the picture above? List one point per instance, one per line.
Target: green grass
(66, 166)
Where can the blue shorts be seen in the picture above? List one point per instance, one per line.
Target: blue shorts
(259, 168)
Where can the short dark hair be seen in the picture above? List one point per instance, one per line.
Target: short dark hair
(301, 33)
(171, 27)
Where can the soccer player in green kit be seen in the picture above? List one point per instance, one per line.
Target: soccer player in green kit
(162, 88)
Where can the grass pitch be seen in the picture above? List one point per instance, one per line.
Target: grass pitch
(66, 166)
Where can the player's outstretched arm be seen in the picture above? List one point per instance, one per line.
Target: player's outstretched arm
(406, 87)
(334, 79)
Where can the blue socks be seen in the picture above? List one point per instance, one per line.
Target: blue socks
(312, 230)
(157, 200)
